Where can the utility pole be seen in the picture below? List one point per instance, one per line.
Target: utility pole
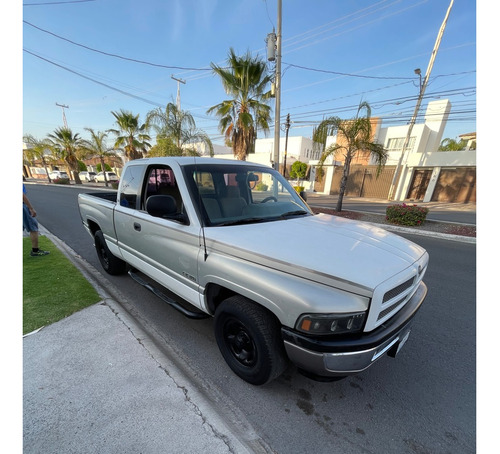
(287, 127)
(276, 155)
(62, 106)
(179, 81)
(423, 86)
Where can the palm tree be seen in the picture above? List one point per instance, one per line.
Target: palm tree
(352, 136)
(97, 147)
(452, 145)
(131, 136)
(245, 81)
(179, 126)
(67, 146)
(37, 149)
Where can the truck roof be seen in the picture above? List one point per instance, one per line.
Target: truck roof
(191, 160)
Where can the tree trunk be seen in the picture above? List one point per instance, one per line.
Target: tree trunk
(73, 168)
(46, 171)
(103, 167)
(343, 182)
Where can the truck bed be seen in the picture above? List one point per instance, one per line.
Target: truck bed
(111, 196)
(96, 210)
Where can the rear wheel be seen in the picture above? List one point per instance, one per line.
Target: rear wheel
(249, 339)
(111, 264)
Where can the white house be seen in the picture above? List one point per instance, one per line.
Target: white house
(421, 163)
(434, 169)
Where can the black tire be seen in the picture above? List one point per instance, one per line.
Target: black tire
(249, 338)
(111, 264)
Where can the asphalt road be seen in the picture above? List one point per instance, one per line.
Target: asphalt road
(422, 402)
(449, 212)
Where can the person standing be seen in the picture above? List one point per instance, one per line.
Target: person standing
(30, 224)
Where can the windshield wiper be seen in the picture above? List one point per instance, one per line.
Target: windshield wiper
(243, 221)
(293, 213)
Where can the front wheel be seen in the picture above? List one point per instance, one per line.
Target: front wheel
(111, 264)
(249, 339)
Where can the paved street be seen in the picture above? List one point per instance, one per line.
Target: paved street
(423, 401)
(450, 212)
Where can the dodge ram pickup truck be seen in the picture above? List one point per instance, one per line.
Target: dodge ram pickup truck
(234, 241)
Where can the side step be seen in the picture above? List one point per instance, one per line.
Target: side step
(190, 314)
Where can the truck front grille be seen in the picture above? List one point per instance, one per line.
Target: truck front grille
(393, 293)
(391, 296)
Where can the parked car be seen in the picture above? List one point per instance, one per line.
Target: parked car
(58, 174)
(87, 176)
(111, 176)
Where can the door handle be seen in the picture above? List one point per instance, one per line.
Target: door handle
(137, 226)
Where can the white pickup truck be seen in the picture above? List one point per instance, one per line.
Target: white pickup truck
(233, 240)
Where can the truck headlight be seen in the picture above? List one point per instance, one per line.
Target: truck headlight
(331, 323)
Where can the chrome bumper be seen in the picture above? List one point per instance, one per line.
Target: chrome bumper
(349, 357)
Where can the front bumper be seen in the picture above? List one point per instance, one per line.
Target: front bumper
(343, 357)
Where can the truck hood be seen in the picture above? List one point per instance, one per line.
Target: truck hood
(330, 250)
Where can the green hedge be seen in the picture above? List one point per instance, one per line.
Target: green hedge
(410, 215)
(61, 181)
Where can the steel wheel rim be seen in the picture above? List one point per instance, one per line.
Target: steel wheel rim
(240, 342)
(104, 256)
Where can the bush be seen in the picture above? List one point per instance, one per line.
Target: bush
(298, 170)
(299, 189)
(410, 215)
(261, 186)
(61, 181)
(106, 166)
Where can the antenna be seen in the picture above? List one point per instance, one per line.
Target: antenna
(179, 81)
(62, 106)
(200, 202)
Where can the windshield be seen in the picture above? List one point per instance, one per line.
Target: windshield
(230, 194)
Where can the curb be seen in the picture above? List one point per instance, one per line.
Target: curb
(225, 421)
(411, 231)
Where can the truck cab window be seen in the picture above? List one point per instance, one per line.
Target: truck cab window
(131, 182)
(162, 181)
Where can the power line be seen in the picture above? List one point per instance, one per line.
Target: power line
(209, 69)
(57, 3)
(396, 101)
(94, 80)
(297, 116)
(143, 62)
(346, 74)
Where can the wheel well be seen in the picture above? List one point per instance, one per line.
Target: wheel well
(215, 294)
(93, 226)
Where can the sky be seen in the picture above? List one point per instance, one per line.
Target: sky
(99, 56)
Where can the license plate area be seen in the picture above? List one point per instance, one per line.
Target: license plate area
(396, 348)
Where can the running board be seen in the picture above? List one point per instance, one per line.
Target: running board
(190, 314)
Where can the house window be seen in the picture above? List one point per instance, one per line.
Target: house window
(396, 144)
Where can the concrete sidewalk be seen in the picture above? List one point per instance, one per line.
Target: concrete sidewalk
(92, 386)
(95, 382)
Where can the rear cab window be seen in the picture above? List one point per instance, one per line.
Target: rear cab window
(161, 180)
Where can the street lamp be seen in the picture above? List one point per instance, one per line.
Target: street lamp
(419, 73)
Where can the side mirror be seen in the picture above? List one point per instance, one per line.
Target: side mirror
(303, 194)
(164, 206)
(252, 180)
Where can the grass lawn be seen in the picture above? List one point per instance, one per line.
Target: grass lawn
(53, 288)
